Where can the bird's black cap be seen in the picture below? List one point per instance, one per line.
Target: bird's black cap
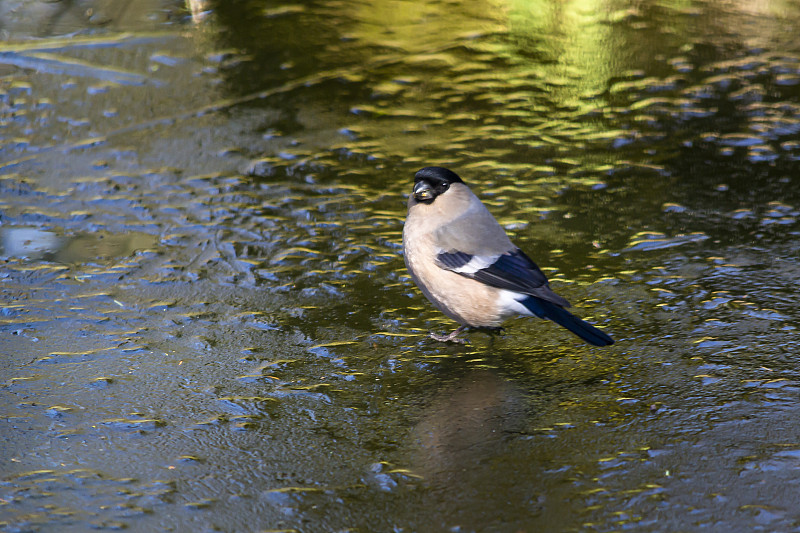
(436, 175)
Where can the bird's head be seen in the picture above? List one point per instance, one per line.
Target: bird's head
(430, 182)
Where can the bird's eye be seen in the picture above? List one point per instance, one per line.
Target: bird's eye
(441, 187)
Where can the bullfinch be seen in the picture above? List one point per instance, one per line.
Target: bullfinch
(465, 264)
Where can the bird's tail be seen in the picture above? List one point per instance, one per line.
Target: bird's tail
(562, 317)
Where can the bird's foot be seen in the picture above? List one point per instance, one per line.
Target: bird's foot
(452, 337)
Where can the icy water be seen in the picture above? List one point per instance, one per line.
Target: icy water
(206, 324)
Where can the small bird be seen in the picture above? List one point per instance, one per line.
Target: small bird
(465, 264)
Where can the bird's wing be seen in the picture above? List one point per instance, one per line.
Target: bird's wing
(513, 271)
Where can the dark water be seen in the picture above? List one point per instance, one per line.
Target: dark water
(206, 324)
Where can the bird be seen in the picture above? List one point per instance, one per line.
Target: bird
(465, 264)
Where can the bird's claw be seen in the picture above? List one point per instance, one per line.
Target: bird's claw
(447, 338)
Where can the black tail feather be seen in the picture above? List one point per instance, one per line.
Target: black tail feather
(564, 318)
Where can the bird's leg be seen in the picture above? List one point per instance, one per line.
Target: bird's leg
(494, 332)
(452, 337)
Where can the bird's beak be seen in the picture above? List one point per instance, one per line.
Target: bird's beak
(423, 192)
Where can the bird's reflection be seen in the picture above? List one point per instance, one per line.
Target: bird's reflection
(471, 451)
(467, 424)
(483, 462)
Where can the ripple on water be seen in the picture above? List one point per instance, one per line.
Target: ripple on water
(92, 494)
(649, 241)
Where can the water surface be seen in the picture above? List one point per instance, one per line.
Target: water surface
(206, 324)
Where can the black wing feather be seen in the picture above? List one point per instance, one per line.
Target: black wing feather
(453, 260)
(513, 271)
